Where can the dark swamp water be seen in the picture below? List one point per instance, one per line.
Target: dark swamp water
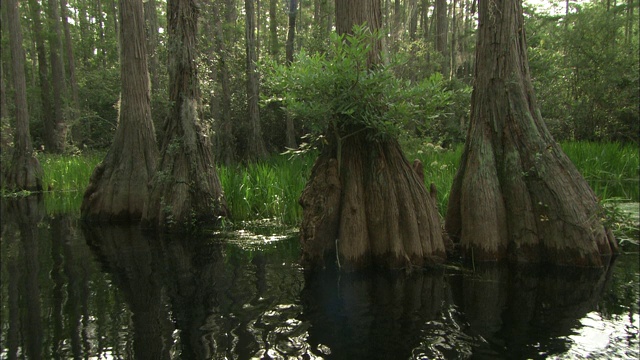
(71, 292)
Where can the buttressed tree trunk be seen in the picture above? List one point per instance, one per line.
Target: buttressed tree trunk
(516, 194)
(185, 189)
(363, 204)
(118, 189)
(25, 172)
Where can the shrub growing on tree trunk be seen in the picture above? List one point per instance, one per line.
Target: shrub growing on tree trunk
(363, 204)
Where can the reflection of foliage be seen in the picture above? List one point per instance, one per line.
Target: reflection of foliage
(622, 219)
(621, 300)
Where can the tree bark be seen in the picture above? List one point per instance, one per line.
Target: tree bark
(225, 140)
(290, 132)
(102, 46)
(516, 194)
(257, 149)
(118, 188)
(43, 66)
(413, 19)
(24, 172)
(56, 130)
(442, 24)
(185, 191)
(274, 45)
(151, 19)
(4, 112)
(68, 49)
(291, 33)
(363, 204)
(87, 38)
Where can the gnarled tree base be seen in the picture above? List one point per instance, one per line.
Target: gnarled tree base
(24, 173)
(118, 188)
(516, 194)
(527, 205)
(186, 191)
(366, 206)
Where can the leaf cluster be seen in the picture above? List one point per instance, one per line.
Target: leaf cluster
(338, 90)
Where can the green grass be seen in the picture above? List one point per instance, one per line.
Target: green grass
(68, 173)
(440, 168)
(271, 189)
(266, 190)
(611, 169)
(65, 179)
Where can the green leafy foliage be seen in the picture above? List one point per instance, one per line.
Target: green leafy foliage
(337, 90)
(584, 67)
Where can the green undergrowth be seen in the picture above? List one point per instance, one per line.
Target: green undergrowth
(269, 191)
(266, 190)
(611, 169)
(68, 173)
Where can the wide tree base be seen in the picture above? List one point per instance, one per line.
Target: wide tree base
(525, 202)
(186, 194)
(24, 173)
(117, 190)
(364, 205)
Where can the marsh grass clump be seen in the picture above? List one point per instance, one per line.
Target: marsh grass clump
(611, 169)
(440, 166)
(266, 190)
(68, 173)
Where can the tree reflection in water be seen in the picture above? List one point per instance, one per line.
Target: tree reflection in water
(178, 297)
(21, 217)
(222, 302)
(383, 315)
(525, 312)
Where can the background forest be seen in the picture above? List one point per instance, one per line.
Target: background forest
(583, 58)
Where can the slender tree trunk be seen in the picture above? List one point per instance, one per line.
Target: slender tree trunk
(4, 112)
(118, 189)
(86, 36)
(424, 19)
(257, 148)
(25, 172)
(454, 38)
(55, 139)
(102, 47)
(364, 204)
(413, 19)
(43, 67)
(291, 34)
(185, 191)
(397, 22)
(225, 140)
(442, 25)
(68, 49)
(116, 23)
(516, 194)
(274, 45)
(628, 28)
(151, 19)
